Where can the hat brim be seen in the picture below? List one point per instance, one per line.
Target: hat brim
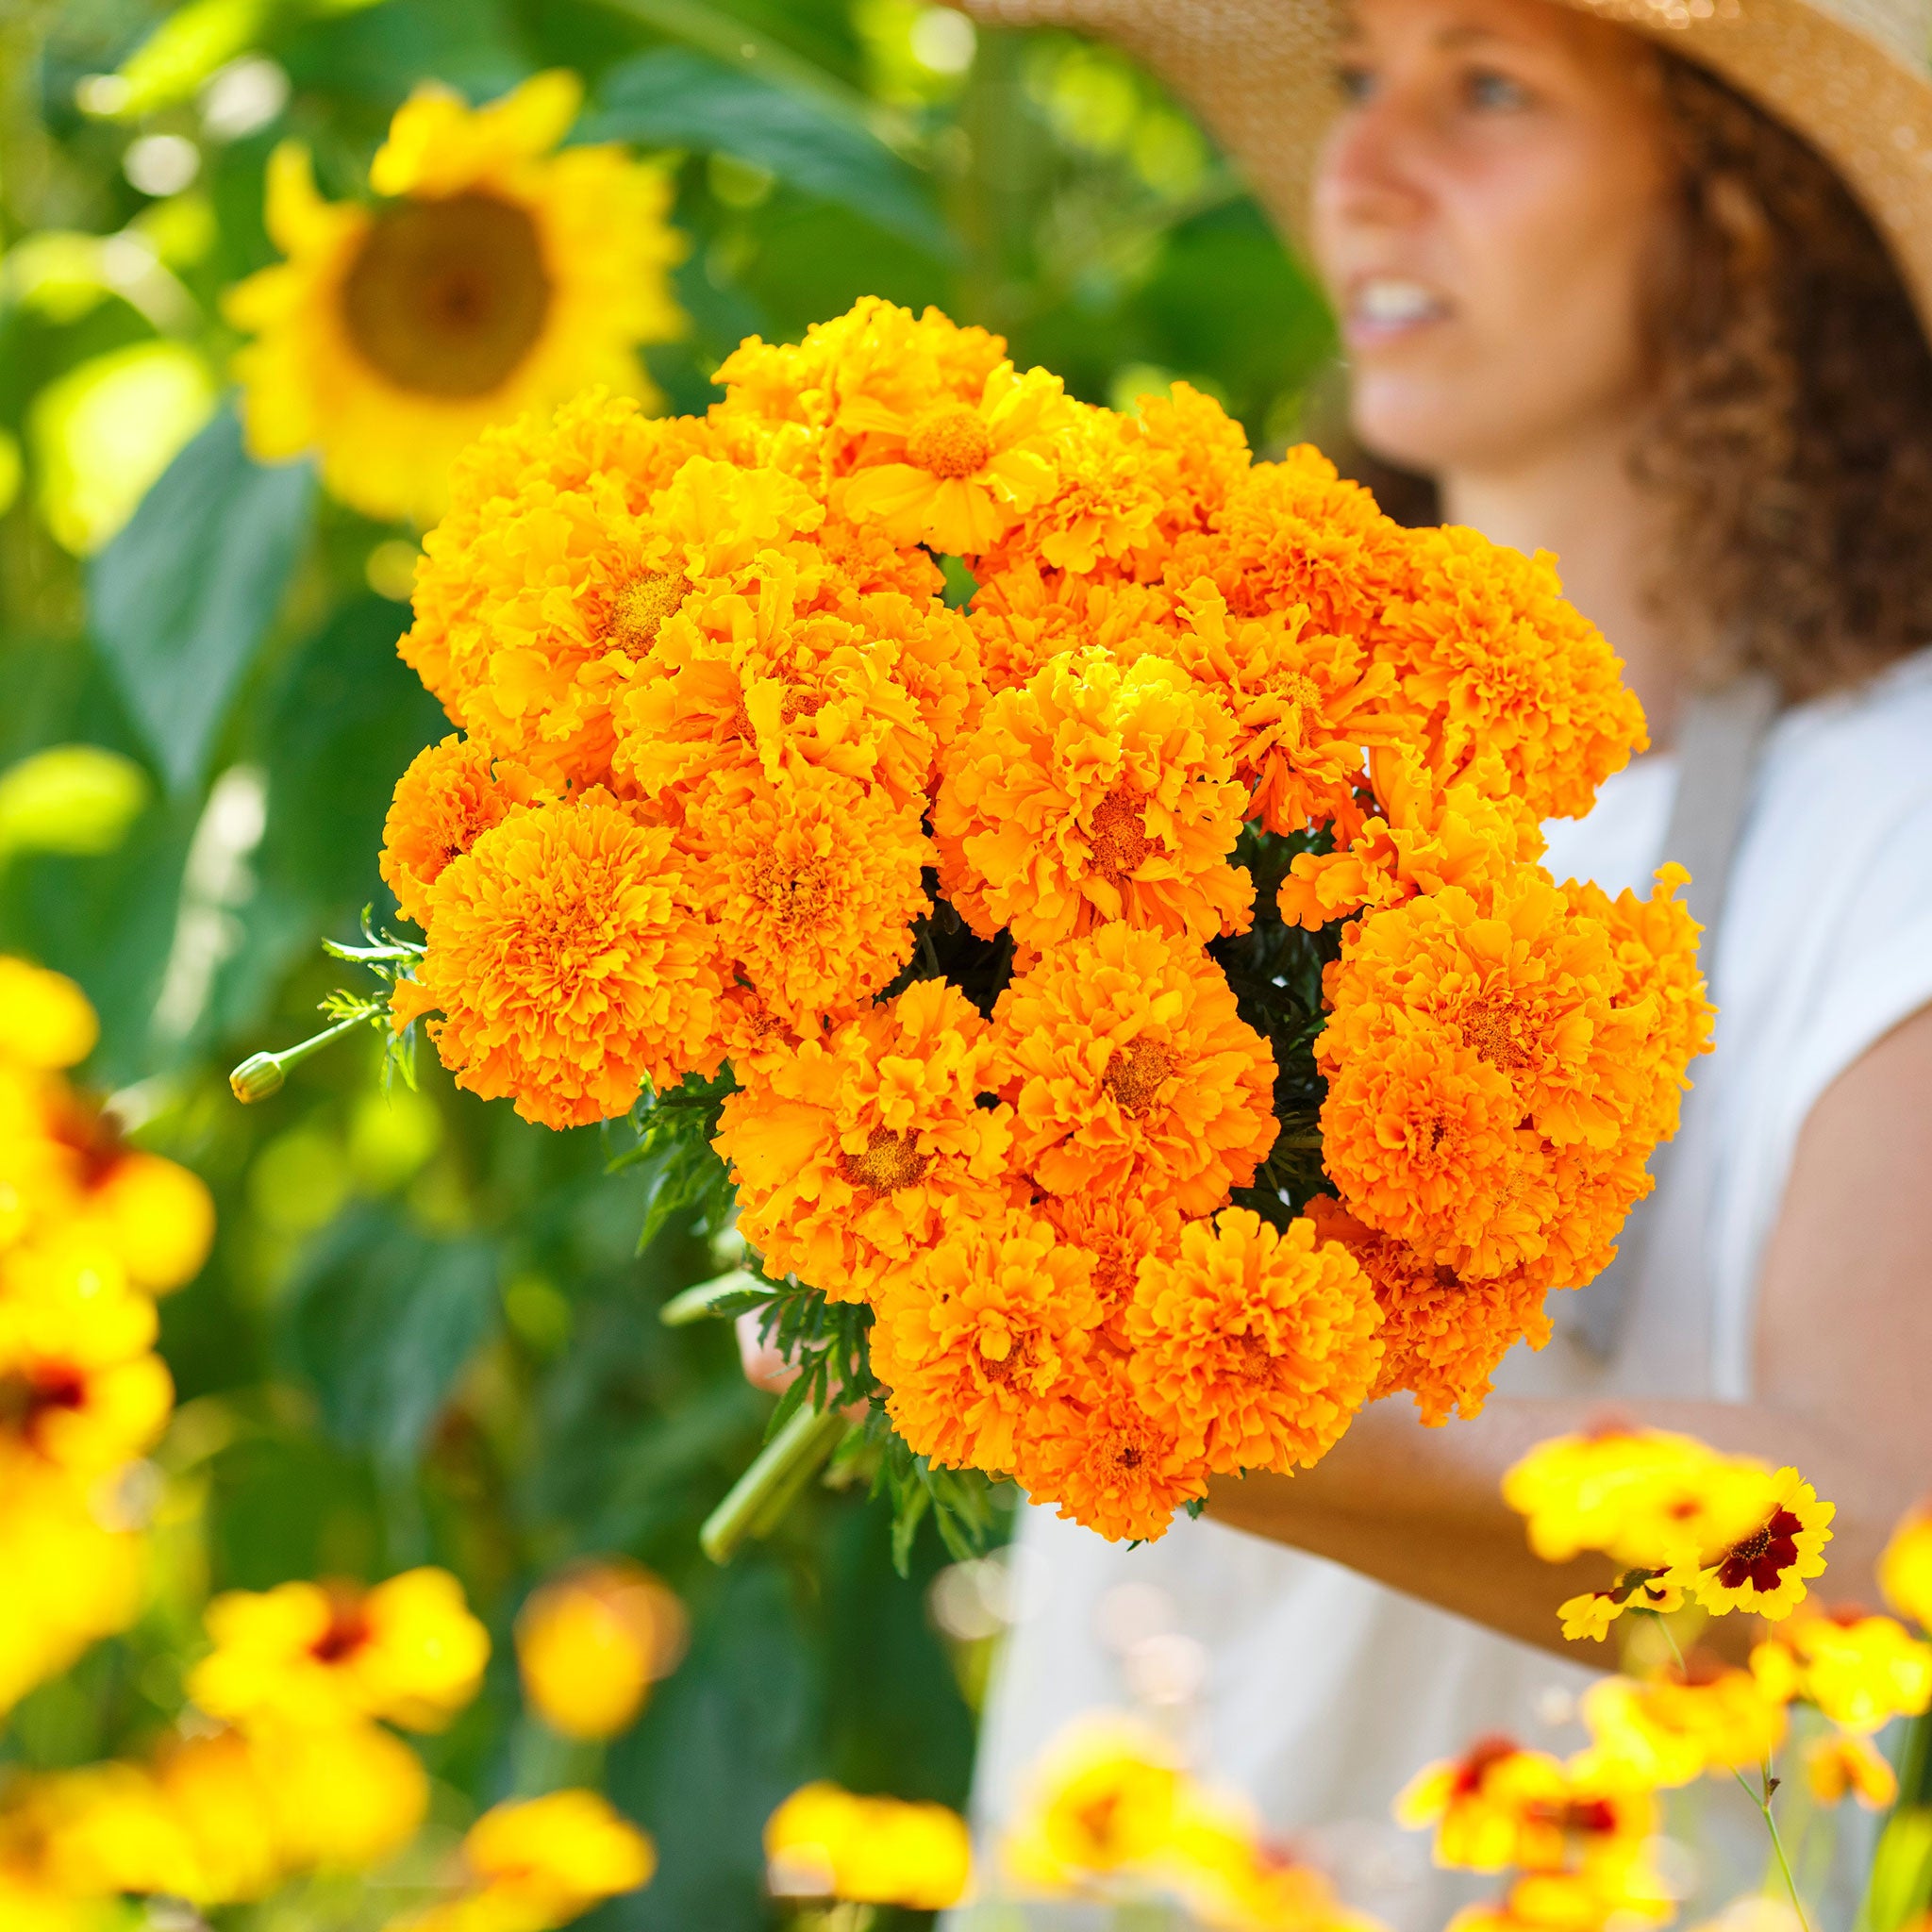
(1258, 73)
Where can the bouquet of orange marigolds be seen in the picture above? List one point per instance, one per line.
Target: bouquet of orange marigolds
(1081, 881)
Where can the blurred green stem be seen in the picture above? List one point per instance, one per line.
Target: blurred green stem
(766, 1490)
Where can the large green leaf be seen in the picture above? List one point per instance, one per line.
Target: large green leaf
(675, 98)
(184, 595)
(380, 1321)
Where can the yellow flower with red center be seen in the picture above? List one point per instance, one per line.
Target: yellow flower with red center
(856, 1153)
(311, 1655)
(570, 964)
(1098, 791)
(1128, 1066)
(1672, 1728)
(979, 1333)
(450, 795)
(1478, 1803)
(1441, 1336)
(1905, 1568)
(812, 885)
(494, 277)
(1103, 1800)
(1847, 1764)
(1590, 1615)
(824, 1843)
(1256, 1344)
(958, 472)
(592, 1641)
(1307, 707)
(540, 1863)
(1572, 1902)
(1499, 663)
(1860, 1670)
(1764, 1571)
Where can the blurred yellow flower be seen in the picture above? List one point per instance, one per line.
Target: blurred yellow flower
(316, 1655)
(45, 1019)
(493, 278)
(1905, 1569)
(1860, 1670)
(1847, 1764)
(1670, 1729)
(540, 1864)
(1479, 1802)
(825, 1842)
(347, 1796)
(1103, 1801)
(592, 1641)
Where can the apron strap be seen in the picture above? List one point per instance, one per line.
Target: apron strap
(1718, 749)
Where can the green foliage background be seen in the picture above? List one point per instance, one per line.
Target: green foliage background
(425, 1334)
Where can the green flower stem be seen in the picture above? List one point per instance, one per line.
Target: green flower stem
(262, 1073)
(1762, 1800)
(761, 1495)
(695, 1303)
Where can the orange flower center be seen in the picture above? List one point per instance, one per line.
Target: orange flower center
(1119, 835)
(1296, 690)
(1134, 1075)
(1480, 1759)
(448, 297)
(890, 1161)
(1001, 1370)
(1492, 1026)
(641, 606)
(1257, 1359)
(798, 898)
(950, 441)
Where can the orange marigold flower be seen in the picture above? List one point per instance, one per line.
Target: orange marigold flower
(1096, 792)
(1120, 1229)
(957, 472)
(855, 1155)
(752, 680)
(1195, 453)
(1256, 1343)
(1024, 617)
(448, 797)
(569, 963)
(1442, 1337)
(1105, 510)
(1296, 533)
(1307, 705)
(1130, 1070)
(521, 586)
(813, 883)
(1500, 662)
(1105, 1461)
(979, 1332)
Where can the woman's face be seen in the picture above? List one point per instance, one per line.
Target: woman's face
(1484, 210)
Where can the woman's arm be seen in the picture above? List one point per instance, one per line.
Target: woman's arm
(1844, 1389)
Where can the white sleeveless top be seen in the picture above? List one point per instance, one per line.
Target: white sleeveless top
(1322, 1691)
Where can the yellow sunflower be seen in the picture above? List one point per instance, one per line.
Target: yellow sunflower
(493, 276)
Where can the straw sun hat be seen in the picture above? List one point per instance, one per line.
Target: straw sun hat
(1849, 75)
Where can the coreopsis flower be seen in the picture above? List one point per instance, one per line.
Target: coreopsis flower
(1672, 1728)
(956, 473)
(1477, 1803)
(312, 1655)
(451, 795)
(542, 1864)
(1764, 1571)
(1904, 1567)
(1256, 1344)
(1591, 1614)
(812, 885)
(856, 1153)
(1571, 1902)
(592, 1641)
(46, 1021)
(493, 276)
(1105, 1461)
(825, 1842)
(1860, 1670)
(570, 964)
(1295, 533)
(1307, 705)
(1847, 1764)
(979, 1333)
(1098, 791)
(1501, 664)
(1441, 1336)
(1103, 1800)
(1127, 1066)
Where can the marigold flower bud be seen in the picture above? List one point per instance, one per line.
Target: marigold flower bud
(258, 1077)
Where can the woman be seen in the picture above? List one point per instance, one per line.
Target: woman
(1603, 304)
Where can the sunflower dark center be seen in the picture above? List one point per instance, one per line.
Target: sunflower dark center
(448, 297)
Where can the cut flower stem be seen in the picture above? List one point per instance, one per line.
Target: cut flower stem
(759, 1498)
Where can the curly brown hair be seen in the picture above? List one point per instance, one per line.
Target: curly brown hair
(1790, 440)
